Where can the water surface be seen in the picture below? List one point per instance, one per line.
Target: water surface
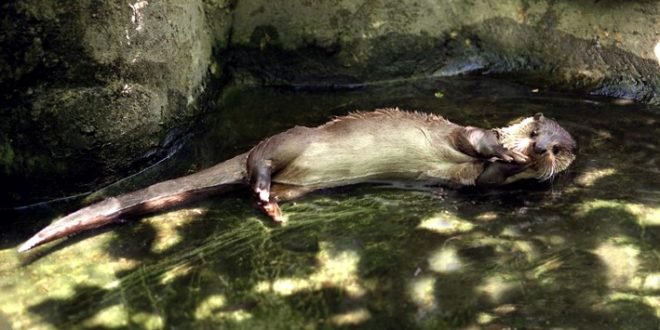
(582, 252)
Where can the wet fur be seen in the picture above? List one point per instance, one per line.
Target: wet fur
(545, 162)
(386, 144)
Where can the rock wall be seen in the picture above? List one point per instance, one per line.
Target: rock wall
(598, 47)
(93, 87)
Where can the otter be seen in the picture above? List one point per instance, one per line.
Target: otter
(376, 146)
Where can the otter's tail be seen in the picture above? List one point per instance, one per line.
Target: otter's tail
(155, 197)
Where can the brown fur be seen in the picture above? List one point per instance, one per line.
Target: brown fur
(386, 144)
(542, 166)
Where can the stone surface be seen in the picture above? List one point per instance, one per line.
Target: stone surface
(91, 88)
(602, 47)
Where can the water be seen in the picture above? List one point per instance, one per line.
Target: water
(580, 253)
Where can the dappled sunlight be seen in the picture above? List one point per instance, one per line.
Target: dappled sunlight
(113, 316)
(445, 260)
(148, 320)
(525, 248)
(336, 268)
(421, 292)
(486, 319)
(621, 261)
(511, 231)
(445, 223)
(284, 286)
(590, 176)
(488, 216)
(497, 288)
(651, 282)
(215, 308)
(60, 275)
(645, 215)
(168, 226)
(175, 272)
(353, 317)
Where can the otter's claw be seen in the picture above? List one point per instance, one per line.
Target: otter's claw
(512, 156)
(518, 156)
(273, 211)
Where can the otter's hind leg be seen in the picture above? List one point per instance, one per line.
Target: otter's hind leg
(281, 193)
(269, 157)
(260, 176)
(260, 181)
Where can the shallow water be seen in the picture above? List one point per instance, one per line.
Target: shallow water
(580, 253)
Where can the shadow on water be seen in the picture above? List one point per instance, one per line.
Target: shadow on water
(580, 252)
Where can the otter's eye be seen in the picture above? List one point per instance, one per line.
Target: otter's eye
(555, 150)
(534, 134)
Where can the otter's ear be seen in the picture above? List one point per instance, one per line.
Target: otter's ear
(538, 116)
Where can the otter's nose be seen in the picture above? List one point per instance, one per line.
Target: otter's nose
(540, 148)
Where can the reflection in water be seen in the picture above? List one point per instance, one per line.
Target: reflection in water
(580, 252)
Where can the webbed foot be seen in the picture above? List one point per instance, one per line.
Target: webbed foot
(272, 209)
(512, 156)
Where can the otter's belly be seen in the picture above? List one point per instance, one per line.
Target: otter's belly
(365, 158)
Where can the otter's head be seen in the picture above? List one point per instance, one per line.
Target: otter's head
(550, 148)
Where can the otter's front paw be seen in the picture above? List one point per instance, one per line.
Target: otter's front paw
(512, 156)
(486, 144)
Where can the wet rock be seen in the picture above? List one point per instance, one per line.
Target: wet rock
(602, 47)
(90, 87)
